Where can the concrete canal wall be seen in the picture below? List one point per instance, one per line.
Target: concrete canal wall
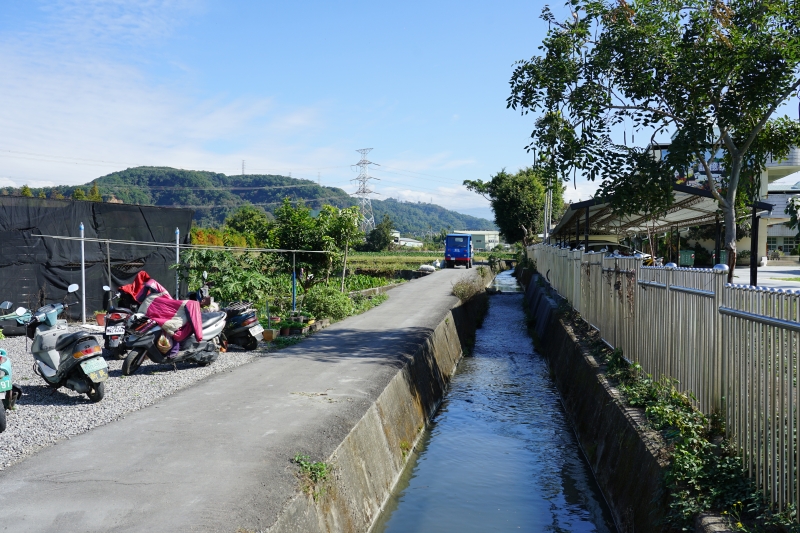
(626, 457)
(369, 461)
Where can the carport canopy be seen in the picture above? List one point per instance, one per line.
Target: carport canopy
(691, 207)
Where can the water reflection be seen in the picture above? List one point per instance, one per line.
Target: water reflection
(499, 455)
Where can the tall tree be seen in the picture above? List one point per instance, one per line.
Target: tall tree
(714, 72)
(380, 238)
(345, 231)
(518, 201)
(94, 194)
(25, 191)
(78, 194)
(251, 222)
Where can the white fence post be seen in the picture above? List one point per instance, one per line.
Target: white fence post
(177, 262)
(720, 354)
(83, 278)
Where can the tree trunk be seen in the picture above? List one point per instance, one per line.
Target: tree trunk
(344, 267)
(729, 212)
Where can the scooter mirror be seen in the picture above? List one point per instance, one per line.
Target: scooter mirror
(106, 288)
(20, 311)
(5, 306)
(205, 275)
(72, 288)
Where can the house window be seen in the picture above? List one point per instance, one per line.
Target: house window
(789, 244)
(772, 244)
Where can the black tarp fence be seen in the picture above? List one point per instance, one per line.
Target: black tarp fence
(35, 270)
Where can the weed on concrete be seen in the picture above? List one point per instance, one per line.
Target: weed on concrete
(312, 475)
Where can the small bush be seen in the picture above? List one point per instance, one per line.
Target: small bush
(466, 288)
(328, 302)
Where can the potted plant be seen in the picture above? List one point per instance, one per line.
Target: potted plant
(284, 328)
(100, 318)
(296, 328)
(269, 333)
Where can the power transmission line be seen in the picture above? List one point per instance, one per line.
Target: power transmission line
(363, 192)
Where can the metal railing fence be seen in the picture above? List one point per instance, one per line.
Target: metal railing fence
(733, 347)
(761, 339)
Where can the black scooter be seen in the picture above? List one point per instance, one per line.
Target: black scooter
(115, 329)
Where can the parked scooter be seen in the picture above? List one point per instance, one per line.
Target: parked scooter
(147, 340)
(115, 331)
(242, 327)
(12, 324)
(71, 360)
(9, 392)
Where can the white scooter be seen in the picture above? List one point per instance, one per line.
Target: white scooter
(72, 360)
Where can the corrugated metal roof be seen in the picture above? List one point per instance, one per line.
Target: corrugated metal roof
(691, 207)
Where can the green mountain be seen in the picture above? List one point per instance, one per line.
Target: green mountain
(214, 196)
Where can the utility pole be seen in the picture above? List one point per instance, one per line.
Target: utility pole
(363, 192)
(242, 167)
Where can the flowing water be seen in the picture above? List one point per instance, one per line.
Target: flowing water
(499, 454)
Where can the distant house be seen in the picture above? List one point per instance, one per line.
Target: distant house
(405, 242)
(483, 241)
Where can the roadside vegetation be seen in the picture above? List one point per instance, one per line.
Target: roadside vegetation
(312, 475)
(705, 473)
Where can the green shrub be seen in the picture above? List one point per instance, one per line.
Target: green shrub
(328, 302)
(467, 287)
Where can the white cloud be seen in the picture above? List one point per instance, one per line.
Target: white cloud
(455, 198)
(579, 191)
(73, 112)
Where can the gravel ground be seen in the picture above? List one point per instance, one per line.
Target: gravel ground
(44, 416)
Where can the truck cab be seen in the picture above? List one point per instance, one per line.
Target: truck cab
(458, 250)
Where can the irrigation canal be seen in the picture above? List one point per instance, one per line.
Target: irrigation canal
(499, 454)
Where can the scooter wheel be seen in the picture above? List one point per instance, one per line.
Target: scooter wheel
(133, 361)
(250, 344)
(2, 419)
(97, 393)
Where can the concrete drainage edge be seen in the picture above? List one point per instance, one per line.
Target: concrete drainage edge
(626, 457)
(370, 460)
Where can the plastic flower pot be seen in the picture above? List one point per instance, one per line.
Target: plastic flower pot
(100, 318)
(270, 334)
(284, 331)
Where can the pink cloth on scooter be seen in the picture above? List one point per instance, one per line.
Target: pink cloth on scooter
(164, 309)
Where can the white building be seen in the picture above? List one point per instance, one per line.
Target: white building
(405, 242)
(483, 241)
(779, 236)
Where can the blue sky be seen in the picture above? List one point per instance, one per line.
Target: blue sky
(94, 86)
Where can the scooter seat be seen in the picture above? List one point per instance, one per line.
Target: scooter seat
(212, 318)
(66, 340)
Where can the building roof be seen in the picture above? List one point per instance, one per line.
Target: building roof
(691, 207)
(478, 232)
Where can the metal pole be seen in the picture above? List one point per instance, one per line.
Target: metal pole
(754, 249)
(717, 249)
(720, 367)
(586, 232)
(294, 284)
(577, 230)
(83, 279)
(177, 262)
(108, 259)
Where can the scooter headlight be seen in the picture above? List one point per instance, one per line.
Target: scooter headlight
(86, 352)
(3, 359)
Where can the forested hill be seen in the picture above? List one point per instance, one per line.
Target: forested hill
(213, 196)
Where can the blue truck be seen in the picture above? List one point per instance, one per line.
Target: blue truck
(458, 250)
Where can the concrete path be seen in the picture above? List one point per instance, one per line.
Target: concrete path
(217, 456)
(770, 276)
